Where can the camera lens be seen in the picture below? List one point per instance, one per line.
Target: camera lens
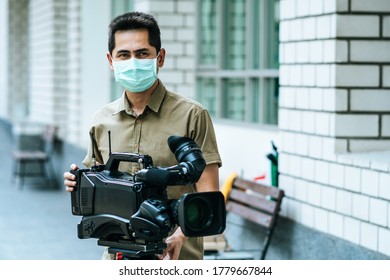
(198, 214)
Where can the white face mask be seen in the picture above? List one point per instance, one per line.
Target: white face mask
(136, 75)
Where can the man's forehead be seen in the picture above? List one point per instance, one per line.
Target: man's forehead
(137, 38)
(135, 34)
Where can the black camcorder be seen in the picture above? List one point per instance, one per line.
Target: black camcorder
(131, 214)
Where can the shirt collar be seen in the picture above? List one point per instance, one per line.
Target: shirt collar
(154, 103)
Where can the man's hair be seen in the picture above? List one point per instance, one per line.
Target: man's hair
(133, 21)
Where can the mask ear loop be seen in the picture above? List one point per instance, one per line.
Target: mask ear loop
(158, 54)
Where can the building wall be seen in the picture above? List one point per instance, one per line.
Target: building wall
(74, 97)
(94, 68)
(48, 55)
(67, 51)
(3, 58)
(334, 110)
(15, 59)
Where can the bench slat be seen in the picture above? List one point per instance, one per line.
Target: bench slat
(253, 200)
(251, 214)
(263, 189)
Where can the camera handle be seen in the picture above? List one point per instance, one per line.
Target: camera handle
(115, 158)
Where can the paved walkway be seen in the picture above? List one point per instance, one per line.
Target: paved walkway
(36, 221)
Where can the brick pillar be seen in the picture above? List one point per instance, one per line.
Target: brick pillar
(335, 100)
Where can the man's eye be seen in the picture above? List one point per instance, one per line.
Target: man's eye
(123, 55)
(142, 54)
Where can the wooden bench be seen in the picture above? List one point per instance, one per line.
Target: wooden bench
(253, 201)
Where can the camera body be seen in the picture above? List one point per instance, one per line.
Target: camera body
(131, 212)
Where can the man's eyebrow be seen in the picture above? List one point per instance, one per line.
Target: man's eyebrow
(141, 50)
(136, 51)
(123, 51)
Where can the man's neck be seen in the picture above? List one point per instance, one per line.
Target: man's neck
(139, 100)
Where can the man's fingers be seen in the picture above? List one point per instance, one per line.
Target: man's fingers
(70, 179)
(69, 176)
(73, 166)
(69, 189)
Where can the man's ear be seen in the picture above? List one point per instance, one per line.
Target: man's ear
(161, 58)
(109, 58)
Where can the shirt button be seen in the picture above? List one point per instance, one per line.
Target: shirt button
(135, 145)
(138, 121)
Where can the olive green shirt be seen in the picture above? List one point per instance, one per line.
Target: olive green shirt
(166, 114)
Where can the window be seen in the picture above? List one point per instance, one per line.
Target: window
(237, 62)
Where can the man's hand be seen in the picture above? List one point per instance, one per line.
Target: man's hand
(174, 244)
(70, 179)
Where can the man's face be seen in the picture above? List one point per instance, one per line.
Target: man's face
(134, 44)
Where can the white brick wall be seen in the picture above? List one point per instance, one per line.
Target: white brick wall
(325, 26)
(370, 100)
(386, 26)
(74, 88)
(332, 6)
(314, 145)
(384, 241)
(358, 146)
(355, 125)
(321, 219)
(18, 58)
(328, 198)
(344, 202)
(336, 224)
(360, 207)
(370, 182)
(308, 167)
(307, 215)
(48, 79)
(370, 51)
(384, 185)
(336, 175)
(378, 211)
(314, 193)
(369, 236)
(335, 100)
(352, 179)
(386, 76)
(370, 6)
(357, 76)
(357, 26)
(352, 230)
(335, 81)
(4, 95)
(386, 125)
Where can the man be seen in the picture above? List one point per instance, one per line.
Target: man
(147, 114)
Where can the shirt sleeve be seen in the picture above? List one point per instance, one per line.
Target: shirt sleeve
(202, 131)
